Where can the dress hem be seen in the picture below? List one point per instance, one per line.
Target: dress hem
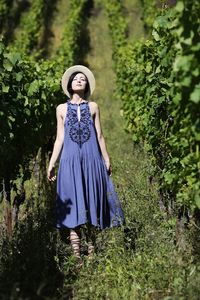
(87, 223)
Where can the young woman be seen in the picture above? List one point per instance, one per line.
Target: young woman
(85, 191)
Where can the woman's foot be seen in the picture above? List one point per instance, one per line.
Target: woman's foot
(79, 262)
(75, 244)
(90, 250)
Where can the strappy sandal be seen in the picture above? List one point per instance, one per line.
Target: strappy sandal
(75, 244)
(90, 250)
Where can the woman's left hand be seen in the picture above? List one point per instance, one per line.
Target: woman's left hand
(109, 168)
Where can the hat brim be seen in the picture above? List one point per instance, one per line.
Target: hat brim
(81, 69)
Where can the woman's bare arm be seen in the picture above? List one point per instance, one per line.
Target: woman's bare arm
(100, 137)
(58, 142)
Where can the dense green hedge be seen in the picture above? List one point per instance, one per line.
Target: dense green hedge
(117, 24)
(30, 27)
(149, 10)
(70, 46)
(158, 82)
(30, 91)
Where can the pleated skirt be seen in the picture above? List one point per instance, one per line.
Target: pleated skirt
(86, 194)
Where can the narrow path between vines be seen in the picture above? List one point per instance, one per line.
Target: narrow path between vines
(129, 166)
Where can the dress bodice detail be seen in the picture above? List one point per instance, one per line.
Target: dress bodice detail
(79, 130)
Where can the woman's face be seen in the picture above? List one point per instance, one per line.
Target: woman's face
(79, 82)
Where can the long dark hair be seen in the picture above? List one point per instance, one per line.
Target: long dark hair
(69, 85)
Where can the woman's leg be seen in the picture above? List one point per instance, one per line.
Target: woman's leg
(90, 240)
(75, 239)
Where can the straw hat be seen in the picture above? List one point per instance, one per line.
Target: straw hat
(81, 69)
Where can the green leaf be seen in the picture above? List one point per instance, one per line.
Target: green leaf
(177, 98)
(160, 21)
(27, 111)
(195, 47)
(26, 102)
(13, 57)
(195, 95)
(184, 142)
(186, 81)
(1, 47)
(33, 88)
(197, 136)
(187, 41)
(183, 63)
(19, 76)
(197, 199)
(155, 35)
(148, 67)
(5, 88)
(11, 135)
(158, 69)
(175, 160)
(169, 177)
(7, 65)
(11, 118)
(195, 72)
(180, 6)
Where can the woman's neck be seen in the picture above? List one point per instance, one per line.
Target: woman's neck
(77, 98)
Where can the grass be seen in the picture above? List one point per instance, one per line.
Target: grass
(133, 11)
(58, 22)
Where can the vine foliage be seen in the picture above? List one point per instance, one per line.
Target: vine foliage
(30, 91)
(158, 82)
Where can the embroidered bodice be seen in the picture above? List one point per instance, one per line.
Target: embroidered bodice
(79, 129)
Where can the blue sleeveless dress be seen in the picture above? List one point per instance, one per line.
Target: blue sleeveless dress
(85, 191)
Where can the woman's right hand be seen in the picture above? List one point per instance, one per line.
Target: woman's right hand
(51, 173)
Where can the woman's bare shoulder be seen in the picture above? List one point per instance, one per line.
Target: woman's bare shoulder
(93, 104)
(61, 107)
